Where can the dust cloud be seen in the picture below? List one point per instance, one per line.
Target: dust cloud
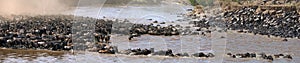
(36, 7)
(46, 7)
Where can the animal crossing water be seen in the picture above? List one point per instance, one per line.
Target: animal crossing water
(215, 42)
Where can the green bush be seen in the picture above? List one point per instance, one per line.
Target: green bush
(193, 2)
(235, 0)
(201, 2)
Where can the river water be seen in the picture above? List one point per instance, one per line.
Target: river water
(233, 42)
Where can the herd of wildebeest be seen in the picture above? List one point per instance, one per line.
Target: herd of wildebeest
(260, 55)
(56, 32)
(278, 23)
(41, 32)
(140, 29)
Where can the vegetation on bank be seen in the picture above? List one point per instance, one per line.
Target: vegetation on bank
(208, 2)
(201, 2)
(193, 2)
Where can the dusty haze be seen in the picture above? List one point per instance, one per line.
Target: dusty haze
(35, 7)
(43, 7)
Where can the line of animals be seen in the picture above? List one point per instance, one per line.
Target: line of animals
(260, 55)
(140, 29)
(168, 52)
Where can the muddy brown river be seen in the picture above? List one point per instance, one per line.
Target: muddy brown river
(233, 42)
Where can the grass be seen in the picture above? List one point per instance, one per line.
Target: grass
(207, 2)
(235, 0)
(193, 2)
